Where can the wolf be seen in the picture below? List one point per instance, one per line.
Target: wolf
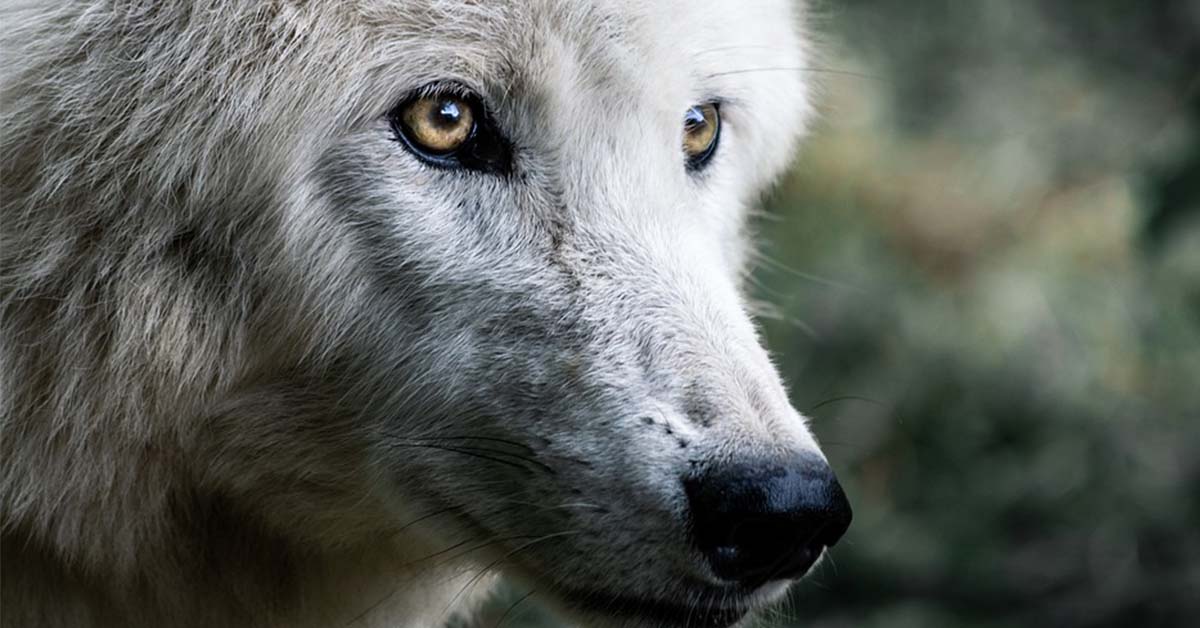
(326, 313)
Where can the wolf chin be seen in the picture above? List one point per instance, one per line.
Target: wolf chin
(326, 313)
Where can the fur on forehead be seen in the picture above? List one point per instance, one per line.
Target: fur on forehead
(642, 41)
(660, 56)
(666, 55)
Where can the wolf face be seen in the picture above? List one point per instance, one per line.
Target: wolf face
(451, 283)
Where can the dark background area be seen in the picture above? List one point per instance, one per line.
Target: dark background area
(982, 282)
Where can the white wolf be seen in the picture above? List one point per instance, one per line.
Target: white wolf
(322, 313)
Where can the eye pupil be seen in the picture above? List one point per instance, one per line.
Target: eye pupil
(448, 113)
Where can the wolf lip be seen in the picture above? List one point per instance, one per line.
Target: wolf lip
(705, 613)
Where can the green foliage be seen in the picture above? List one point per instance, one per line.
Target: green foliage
(1005, 379)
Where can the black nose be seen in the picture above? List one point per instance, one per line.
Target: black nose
(767, 522)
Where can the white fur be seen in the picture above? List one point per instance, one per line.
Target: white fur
(236, 312)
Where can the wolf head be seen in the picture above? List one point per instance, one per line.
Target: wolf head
(451, 275)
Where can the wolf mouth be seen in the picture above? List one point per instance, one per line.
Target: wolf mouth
(707, 607)
(709, 610)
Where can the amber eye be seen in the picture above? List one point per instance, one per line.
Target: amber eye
(701, 129)
(448, 127)
(439, 124)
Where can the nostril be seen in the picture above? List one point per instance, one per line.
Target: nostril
(760, 541)
(762, 523)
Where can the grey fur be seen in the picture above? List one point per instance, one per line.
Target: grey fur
(262, 367)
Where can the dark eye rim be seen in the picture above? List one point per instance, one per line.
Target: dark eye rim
(484, 150)
(700, 161)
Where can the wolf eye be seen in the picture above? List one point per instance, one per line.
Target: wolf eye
(701, 130)
(438, 124)
(450, 130)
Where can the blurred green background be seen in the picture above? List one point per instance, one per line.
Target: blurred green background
(982, 281)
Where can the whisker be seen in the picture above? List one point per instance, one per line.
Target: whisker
(521, 502)
(737, 47)
(491, 439)
(768, 310)
(782, 267)
(487, 568)
(862, 75)
(846, 398)
(469, 448)
(529, 455)
(511, 608)
(451, 548)
(832, 564)
(424, 517)
(477, 452)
